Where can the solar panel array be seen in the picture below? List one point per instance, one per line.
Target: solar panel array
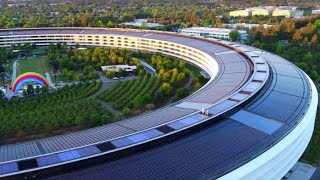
(223, 146)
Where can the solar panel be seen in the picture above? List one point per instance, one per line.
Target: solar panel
(295, 87)
(277, 105)
(87, 151)
(138, 137)
(258, 122)
(223, 105)
(191, 120)
(68, 155)
(48, 160)
(8, 168)
(285, 69)
(177, 125)
(152, 133)
(122, 142)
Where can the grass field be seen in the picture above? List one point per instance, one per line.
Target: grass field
(38, 64)
(8, 66)
(38, 50)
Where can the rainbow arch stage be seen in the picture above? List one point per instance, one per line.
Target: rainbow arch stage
(27, 78)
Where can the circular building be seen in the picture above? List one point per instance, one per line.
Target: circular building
(252, 120)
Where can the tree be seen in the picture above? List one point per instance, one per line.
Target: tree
(137, 101)
(84, 20)
(297, 36)
(279, 49)
(121, 72)
(141, 72)
(109, 74)
(234, 35)
(158, 97)
(77, 45)
(146, 98)
(166, 76)
(30, 90)
(303, 65)
(110, 24)
(166, 89)
(37, 90)
(314, 41)
(92, 75)
(144, 26)
(1, 95)
(174, 76)
(100, 23)
(182, 92)
(181, 77)
(27, 48)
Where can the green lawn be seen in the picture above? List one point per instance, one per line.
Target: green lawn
(38, 64)
(8, 66)
(37, 50)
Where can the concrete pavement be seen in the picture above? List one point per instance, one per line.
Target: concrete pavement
(14, 71)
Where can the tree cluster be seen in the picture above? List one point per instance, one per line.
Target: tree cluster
(43, 114)
(294, 39)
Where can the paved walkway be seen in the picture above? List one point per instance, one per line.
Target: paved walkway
(316, 175)
(301, 171)
(190, 79)
(49, 80)
(104, 86)
(148, 68)
(14, 71)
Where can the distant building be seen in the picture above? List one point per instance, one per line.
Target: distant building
(245, 25)
(220, 33)
(242, 13)
(286, 11)
(115, 68)
(316, 11)
(140, 22)
(262, 11)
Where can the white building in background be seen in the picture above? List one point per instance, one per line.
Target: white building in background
(245, 25)
(286, 11)
(242, 13)
(115, 68)
(316, 11)
(262, 11)
(140, 22)
(220, 33)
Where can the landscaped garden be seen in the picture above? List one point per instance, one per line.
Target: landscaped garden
(93, 103)
(43, 115)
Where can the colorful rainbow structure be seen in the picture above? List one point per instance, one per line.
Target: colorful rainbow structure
(28, 77)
